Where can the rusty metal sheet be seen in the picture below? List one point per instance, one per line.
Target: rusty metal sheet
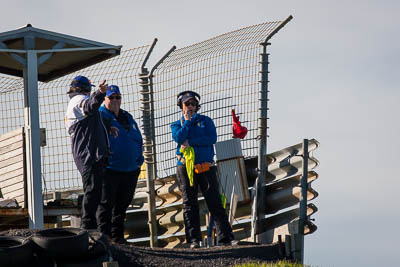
(13, 212)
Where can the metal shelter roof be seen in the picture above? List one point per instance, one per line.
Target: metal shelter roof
(58, 54)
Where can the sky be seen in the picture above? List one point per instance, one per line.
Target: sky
(332, 78)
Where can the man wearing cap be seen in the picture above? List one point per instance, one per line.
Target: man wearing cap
(195, 136)
(121, 175)
(90, 148)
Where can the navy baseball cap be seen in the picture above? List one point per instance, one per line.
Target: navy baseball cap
(112, 89)
(189, 95)
(81, 81)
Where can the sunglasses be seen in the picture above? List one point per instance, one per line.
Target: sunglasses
(191, 103)
(118, 97)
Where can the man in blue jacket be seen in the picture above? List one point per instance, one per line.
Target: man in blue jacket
(122, 173)
(198, 132)
(90, 148)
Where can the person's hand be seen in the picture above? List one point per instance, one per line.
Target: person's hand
(114, 131)
(103, 87)
(187, 114)
(185, 144)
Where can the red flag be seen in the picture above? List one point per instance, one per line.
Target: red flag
(238, 130)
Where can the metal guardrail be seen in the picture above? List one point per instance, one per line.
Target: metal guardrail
(282, 195)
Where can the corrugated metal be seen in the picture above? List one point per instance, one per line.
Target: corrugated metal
(12, 159)
(292, 181)
(287, 192)
(295, 150)
(286, 217)
(228, 149)
(286, 223)
(288, 167)
(232, 176)
(231, 169)
(285, 198)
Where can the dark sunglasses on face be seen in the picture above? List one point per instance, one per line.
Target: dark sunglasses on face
(191, 103)
(118, 97)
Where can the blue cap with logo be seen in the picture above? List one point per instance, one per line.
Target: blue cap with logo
(112, 89)
(82, 82)
(188, 95)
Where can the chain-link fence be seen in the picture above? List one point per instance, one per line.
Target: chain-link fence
(225, 71)
(58, 169)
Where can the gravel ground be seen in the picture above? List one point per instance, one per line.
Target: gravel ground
(129, 255)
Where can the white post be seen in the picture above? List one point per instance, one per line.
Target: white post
(32, 140)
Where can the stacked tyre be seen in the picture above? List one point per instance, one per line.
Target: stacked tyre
(61, 247)
(16, 251)
(71, 247)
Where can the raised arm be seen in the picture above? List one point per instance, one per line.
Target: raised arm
(180, 132)
(92, 104)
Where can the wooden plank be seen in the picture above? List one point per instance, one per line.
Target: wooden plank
(10, 147)
(11, 188)
(12, 153)
(10, 141)
(10, 134)
(12, 181)
(12, 167)
(11, 174)
(18, 195)
(232, 207)
(11, 161)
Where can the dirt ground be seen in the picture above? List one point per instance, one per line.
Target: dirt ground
(129, 255)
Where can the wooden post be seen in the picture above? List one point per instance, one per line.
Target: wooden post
(232, 207)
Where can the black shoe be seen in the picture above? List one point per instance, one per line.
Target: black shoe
(195, 244)
(119, 240)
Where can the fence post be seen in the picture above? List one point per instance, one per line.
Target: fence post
(149, 153)
(259, 199)
(149, 145)
(149, 140)
(303, 201)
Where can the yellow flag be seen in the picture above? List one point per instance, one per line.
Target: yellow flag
(188, 154)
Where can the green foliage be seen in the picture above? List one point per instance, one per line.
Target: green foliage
(274, 264)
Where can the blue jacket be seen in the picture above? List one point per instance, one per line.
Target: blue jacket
(201, 134)
(127, 147)
(88, 133)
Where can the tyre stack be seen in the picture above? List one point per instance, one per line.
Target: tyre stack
(61, 247)
(16, 251)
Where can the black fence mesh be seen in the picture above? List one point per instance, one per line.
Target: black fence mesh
(225, 71)
(58, 168)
